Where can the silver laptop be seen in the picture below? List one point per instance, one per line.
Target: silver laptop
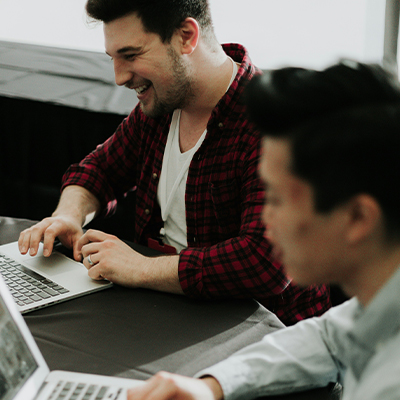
(24, 374)
(39, 281)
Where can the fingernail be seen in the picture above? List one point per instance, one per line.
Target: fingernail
(46, 252)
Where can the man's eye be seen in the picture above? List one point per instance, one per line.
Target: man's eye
(130, 57)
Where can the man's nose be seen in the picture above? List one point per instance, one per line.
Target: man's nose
(122, 74)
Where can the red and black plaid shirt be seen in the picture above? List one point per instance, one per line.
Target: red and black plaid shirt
(227, 255)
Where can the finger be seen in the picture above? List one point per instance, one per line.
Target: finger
(94, 272)
(90, 236)
(49, 237)
(90, 260)
(164, 387)
(23, 241)
(148, 390)
(90, 248)
(78, 256)
(35, 237)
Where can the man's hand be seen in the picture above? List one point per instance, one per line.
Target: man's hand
(166, 386)
(66, 229)
(112, 259)
(77, 206)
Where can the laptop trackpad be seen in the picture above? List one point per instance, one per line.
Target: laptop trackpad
(54, 265)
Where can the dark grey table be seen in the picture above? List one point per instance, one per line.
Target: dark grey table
(135, 333)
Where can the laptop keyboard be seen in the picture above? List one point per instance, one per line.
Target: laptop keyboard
(83, 391)
(27, 286)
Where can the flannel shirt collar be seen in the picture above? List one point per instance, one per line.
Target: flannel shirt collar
(232, 98)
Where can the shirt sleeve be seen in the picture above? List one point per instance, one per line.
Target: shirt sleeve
(293, 359)
(108, 171)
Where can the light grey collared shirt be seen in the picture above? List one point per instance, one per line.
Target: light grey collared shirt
(356, 346)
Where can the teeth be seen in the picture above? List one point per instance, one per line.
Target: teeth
(141, 89)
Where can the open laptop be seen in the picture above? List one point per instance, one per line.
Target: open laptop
(24, 374)
(39, 281)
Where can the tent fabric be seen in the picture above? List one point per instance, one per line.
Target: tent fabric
(74, 78)
(56, 106)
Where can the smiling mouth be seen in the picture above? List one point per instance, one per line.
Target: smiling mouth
(141, 89)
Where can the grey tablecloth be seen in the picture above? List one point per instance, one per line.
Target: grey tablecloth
(135, 333)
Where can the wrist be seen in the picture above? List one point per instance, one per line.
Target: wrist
(214, 386)
(161, 273)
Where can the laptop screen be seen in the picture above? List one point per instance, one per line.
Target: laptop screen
(17, 363)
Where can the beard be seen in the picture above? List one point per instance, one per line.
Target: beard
(178, 94)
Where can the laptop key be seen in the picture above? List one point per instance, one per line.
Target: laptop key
(34, 297)
(31, 273)
(102, 392)
(51, 292)
(43, 295)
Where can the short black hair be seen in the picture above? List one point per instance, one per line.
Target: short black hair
(163, 17)
(343, 126)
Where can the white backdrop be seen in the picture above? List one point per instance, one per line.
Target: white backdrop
(308, 33)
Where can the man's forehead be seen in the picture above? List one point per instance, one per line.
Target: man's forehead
(276, 154)
(126, 34)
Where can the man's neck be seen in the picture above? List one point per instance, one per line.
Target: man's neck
(211, 81)
(212, 72)
(372, 276)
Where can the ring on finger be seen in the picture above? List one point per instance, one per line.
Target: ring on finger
(90, 260)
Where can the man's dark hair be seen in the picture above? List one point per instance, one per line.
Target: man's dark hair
(163, 17)
(343, 126)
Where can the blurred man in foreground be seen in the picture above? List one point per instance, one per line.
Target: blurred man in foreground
(331, 167)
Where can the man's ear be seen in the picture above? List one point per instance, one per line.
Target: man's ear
(189, 34)
(364, 217)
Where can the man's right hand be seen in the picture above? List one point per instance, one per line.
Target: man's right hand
(66, 229)
(167, 386)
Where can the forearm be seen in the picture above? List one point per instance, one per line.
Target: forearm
(289, 360)
(77, 203)
(161, 273)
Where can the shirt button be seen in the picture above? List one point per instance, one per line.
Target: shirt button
(220, 125)
(154, 176)
(147, 211)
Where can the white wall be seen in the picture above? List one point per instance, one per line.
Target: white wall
(309, 33)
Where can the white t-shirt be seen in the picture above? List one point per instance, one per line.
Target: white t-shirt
(172, 186)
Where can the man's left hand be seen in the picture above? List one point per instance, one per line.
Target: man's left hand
(107, 257)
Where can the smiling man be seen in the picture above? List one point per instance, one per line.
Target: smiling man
(190, 156)
(332, 172)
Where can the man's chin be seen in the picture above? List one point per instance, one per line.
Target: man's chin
(151, 111)
(147, 111)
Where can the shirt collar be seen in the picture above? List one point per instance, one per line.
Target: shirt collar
(375, 324)
(227, 104)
